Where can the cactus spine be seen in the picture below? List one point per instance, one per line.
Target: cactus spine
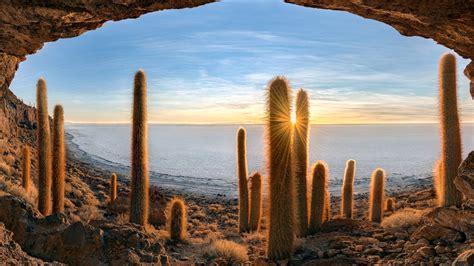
(177, 220)
(280, 170)
(319, 196)
(139, 180)
(44, 149)
(390, 205)
(113, 187)
(376, 200)
(59, 160)
(451, 154)
(348, 190)
(242, 176)
(26, 168)
(301, 162)
(255, 201)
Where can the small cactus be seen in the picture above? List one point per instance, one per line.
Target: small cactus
(255, 201)
(348, 190)
(26, 168)
(301, 141)
(242, 176)
(390, 205)
(177, 219)
(59, 160)
(376, 200)
(44, 149)
(280, 170)
(319, 195)
(113, 188)
(139, 180)
(451, 153)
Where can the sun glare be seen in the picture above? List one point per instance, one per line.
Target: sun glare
(293, 118)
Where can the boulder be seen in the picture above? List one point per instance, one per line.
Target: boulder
(452, 218)
(465, 259)
(465, 180)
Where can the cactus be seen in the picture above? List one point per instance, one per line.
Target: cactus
(44, 149)
(26, 168)
(255, 201)
(280, 170)
(139, 178)
(59, 164)
(113, 187)
(243, 186)
(390, 205)
(348, 190)
(301, 140)
(451, 154)
(438, 182)
(376, 196)
(319, 195)
(177, 219)
(327, 205)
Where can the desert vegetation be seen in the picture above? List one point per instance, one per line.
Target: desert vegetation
(287, 215)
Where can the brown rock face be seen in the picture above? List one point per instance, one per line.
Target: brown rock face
(450, 22)
(465, 180)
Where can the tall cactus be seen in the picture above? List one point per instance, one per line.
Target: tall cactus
(177, 219)
(451, 154)
(59, 160)
(376, 200)
(139, 181)
(301, 141)
(280, 170)
(327, 204)
(113, 187)
(26, 168)
(44, 149)
(319, 195)
(242, 176)
(348, 190)
(255, 201)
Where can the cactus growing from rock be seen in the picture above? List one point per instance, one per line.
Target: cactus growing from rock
(280, 170)
(348, 190)
(177, 219)
(301, 132)
(376, 199)
(451, 154)
(390, 205)
(59, 160)
(255, 201)
(139, 176)
(26, 168)
(44, 149)
(318, 209)
(113, 187)
(242, 176)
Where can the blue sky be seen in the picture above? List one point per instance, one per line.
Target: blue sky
(211, 64)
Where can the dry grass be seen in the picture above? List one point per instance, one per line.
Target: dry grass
(122, 219)
(88, 213)
(402, 219)
(229, 251)
(17, 190)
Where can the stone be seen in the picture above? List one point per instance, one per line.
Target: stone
(465, 259)
(465, 180)
(440, 249)
(431, 232)
(455, 219)
(372, 251)
(426, 252)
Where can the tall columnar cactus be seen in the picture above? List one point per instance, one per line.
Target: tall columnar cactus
(59, 159)
(177, 219)
(255, 201)
(44, 149)
(26, 168)
(242, 176)
(438, 182)
(280, 170)
(376, 200)
(451, 154)
(301, 140)
(319, 196)
(327, 205)
(348, 190)
(113, 187)
(139, 181)
(390, 205)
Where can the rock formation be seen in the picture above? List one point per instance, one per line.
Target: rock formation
(465, 180)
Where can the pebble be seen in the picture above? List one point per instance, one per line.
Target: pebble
(426, 252)
(440, 249)
(359, 248)
(372, 251)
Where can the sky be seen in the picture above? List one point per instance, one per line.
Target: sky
(211, 65)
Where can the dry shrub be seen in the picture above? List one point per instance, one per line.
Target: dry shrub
(88, 213)
(402, 219)
(228, 250)
(122, 218)
(17, 190)
(5, 168)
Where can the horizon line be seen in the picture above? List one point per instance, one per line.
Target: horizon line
(256, 124)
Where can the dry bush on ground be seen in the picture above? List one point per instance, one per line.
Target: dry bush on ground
(17, 190)
(228, 250)
(402, 219)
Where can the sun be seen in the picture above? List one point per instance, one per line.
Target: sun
(293, 118)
